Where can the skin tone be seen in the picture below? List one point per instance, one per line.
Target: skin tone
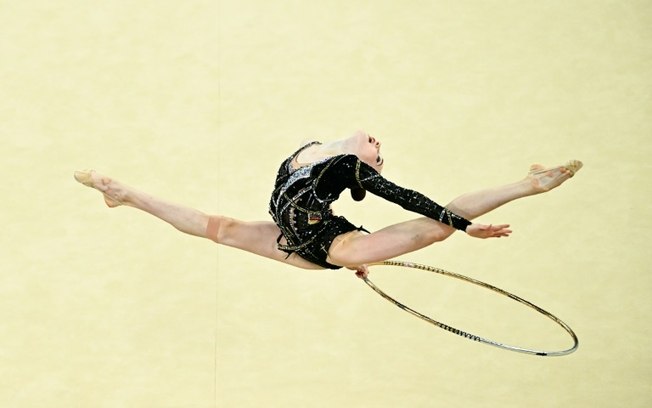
(354, 249)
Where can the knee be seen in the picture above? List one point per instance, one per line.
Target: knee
(219, 228)
(445, 233)
(437, 234)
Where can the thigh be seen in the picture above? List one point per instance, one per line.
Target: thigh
(258, 237)
(356, 248)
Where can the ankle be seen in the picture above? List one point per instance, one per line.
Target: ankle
(528, 187)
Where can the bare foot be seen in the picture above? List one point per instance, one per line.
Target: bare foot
(545, 179)
(113, 194)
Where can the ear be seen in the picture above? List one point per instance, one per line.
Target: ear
(358, 194)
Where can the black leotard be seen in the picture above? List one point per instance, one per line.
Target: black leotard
(300, 203)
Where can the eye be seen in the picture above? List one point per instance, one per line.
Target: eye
(370, 139)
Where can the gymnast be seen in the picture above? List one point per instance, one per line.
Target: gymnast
(305, 233)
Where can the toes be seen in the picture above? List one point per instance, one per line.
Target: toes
(574, 166)
(84, 177)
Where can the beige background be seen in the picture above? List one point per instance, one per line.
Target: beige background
(198, 101)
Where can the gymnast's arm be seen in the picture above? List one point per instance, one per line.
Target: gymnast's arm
(369, 179)
(350, 172)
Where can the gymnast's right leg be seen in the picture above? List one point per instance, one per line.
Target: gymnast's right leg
(356, 248)
(255, 237)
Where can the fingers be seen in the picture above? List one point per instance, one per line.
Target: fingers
(489, 231)
(501, 230)
(362, 271)
(495, 231)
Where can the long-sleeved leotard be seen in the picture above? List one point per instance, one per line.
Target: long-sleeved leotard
(300, 203)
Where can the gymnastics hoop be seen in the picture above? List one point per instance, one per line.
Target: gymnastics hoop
(469, 335)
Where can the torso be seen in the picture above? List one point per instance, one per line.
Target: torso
(304, 216)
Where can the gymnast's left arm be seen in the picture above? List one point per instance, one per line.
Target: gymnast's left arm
(368, 178)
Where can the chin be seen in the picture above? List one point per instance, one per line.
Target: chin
(360, 135)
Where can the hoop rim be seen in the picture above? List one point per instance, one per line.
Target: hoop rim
(463, 333)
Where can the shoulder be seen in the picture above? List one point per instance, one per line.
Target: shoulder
(360, 166)
(344, 160)
(350, 164)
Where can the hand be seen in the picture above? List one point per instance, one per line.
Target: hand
(488, 231)
(360, 271)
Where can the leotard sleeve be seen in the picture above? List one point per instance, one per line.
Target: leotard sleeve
(355, 173)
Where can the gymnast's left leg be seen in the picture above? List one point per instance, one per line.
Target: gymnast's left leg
(258, 237)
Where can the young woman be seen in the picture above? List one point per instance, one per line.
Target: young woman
(305, 232)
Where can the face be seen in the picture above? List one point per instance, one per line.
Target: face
(367, 148)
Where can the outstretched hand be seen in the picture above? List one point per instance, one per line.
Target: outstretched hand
(488, 231)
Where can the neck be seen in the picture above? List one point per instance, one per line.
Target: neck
(337, 147)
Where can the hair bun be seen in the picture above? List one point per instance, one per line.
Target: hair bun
(358, 193)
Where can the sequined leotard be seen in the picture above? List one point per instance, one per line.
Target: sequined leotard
(300, 203)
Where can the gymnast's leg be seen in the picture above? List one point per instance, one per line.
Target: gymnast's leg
(539, 180)
(356, 248)
(255, 237)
